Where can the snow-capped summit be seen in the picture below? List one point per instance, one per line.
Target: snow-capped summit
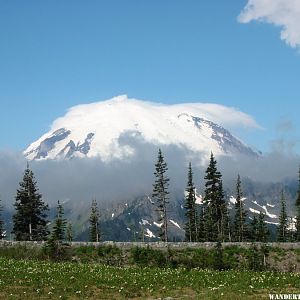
(95, 129)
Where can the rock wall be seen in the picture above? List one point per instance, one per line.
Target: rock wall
(156, 245)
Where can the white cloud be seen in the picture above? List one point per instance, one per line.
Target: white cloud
(282, 13)
(226, 116)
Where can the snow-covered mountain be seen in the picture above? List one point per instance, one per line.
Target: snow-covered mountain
(95, 130)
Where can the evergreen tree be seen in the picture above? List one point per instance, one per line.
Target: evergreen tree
(2, 232)
(59, 228)
(227, 225)
(224, 234)
(240, 226)
(256, 259)
(69, 232)
(160, 194)
(298, 191)
(210, 233)
(94, 223)
(283, 221)
(254, 229)
(54, 246)
(190, 207)
(291, 234)
(29, 220)
(219, 257)
(201, 237)
(215, 210)
(297, 234)
(262, 230)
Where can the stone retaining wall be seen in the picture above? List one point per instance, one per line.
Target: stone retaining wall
(156, 245)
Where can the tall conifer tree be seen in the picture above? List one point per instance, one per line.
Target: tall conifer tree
(160, 194)
(2, 232)
(283, 221)
(60, 223)
(297, 234)
(215, 210)
(69, 232)
(29, 220)
(254, 229)
(55, 246)
(201, 237)
(94, 223)
(262, 230)
(240, 226)
(190, 207)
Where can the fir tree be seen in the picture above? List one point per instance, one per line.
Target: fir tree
(298, 191)
(201, 237)
(297, 234)
(54, 246)
(254, 229)
(227, 225)
(224, 234)
(29, 220)
(160, 194)
(291, 234)
(2, 232)
(240, 226)
(94, 223)
(256, 258)
(190, 207)
(69, 232)
(59, 228)
(219, 257)
(215, 210)
(283, 221)
(262, 230)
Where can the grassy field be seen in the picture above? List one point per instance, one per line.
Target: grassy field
(29, 279)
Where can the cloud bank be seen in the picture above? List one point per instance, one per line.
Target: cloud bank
(78, 181)
(282, 13)
(220, 114)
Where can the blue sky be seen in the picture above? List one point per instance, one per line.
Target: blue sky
(56, 54)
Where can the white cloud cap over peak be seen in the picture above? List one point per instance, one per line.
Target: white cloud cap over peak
(282, 13)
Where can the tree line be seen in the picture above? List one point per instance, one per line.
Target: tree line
(209, 220)
(30, 221)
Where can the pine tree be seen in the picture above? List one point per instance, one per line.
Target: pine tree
(160, 194)
(201, 236)
(2, 232)
(215, 210)
(240, 226)
(291, 234)
(69, 232)
(59, 228)
(227, 225)
(29, 220)
(297, 234)
(190, 207)
(262, 230)
(94, 223)
(224, 234)
(254, 229)
(283, 221)
(54, 246)
(219, 257)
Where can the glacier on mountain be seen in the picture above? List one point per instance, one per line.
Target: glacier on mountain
(96, 129)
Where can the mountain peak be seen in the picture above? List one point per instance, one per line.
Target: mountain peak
(95, 129)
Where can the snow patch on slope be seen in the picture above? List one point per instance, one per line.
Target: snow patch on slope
(267, 213)
(175, 223)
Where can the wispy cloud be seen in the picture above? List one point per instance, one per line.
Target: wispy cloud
(282, 13)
